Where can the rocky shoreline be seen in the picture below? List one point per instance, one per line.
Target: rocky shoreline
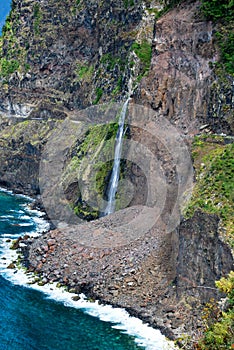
(79, 54)
(147, 277)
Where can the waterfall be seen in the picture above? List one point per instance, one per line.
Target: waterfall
(113, 185)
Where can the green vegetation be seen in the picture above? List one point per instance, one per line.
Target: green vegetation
(84, 211)
(214, 190)
(118, 87)
(94, 143)
(84, 72)
(91, 163)
(99, 93)
(111, 61)
(144, 53)
(222, 12)
(14, 57)
(225, 38)
(7, 26)
(157, 13)
(7, 67)
(128, 3)
(214, 193)
(218, 324)
(216, 9)
(37, 18)
(32, 131)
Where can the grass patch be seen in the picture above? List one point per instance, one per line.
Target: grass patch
(144, 53)
(222, 13)
(84, 72)
(7, 67)
(128, 3)
(111, 61)
(214, 190)
(99, 93)
(37, 16)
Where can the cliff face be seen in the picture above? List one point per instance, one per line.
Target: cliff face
(70, 52)
(181, 83)
(79, 53)
(59, 57)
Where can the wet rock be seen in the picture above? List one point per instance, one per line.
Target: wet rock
(11, 266)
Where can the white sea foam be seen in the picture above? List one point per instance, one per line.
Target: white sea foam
(7, 217)
(20, 195)
(16, 211)
(2, 189)
(145, 336)
(25, 217)
(37, 218)
(25, 224)
(5, 190)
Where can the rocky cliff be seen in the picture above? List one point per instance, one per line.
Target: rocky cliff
(59, 57)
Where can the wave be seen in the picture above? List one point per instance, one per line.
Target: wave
(2, 189)
(7, 217)
(145, 336)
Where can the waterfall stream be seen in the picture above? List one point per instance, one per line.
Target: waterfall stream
(113, 185)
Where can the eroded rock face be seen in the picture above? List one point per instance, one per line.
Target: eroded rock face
(74, 52)
(21, 143)
(180, 82)
(203, 257)
(78, 55)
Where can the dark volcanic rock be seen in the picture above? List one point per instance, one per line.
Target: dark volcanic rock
(181, 83)
(73, 54)
(163, 278)
(21, 144)
(203, 257)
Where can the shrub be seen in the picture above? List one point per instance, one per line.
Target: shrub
(219, 334)
(216, 9)
(144, 53)
(7, 67)
(222, 12)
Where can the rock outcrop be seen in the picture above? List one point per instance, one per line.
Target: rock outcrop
(181, 83)
(64, 56)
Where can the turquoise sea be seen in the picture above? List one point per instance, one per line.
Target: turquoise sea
(47, 318)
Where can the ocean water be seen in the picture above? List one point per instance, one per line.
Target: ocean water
(5, 6)
(47, 318)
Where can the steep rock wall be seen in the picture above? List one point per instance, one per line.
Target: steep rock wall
(181, 82)
(74, 54)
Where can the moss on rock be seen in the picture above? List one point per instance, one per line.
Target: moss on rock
(214, 189)
(89, 164)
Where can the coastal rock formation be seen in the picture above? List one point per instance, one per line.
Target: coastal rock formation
(59, 57)
(164, 278)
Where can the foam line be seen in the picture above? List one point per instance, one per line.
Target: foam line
(145, 336)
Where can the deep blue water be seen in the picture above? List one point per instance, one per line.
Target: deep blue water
(5, 6)
(31, 321)
(46, 318)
